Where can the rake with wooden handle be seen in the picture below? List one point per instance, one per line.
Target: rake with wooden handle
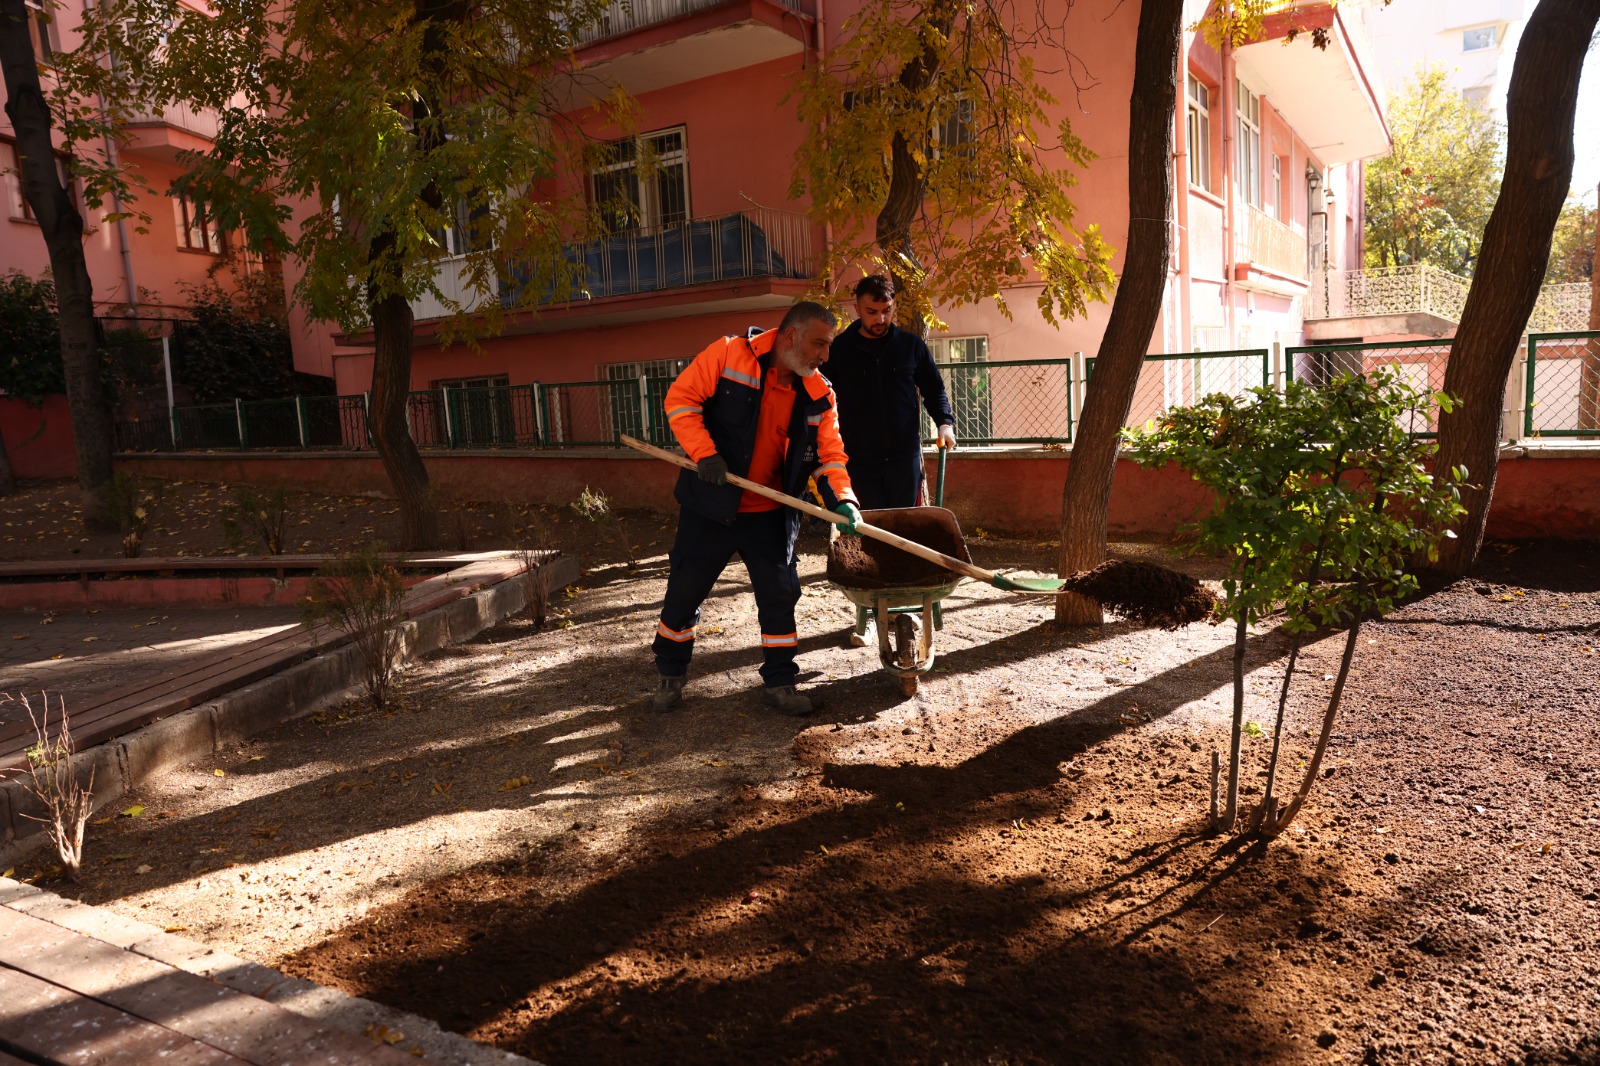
(1036, 586)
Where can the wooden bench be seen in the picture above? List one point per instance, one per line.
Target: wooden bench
(205, 677)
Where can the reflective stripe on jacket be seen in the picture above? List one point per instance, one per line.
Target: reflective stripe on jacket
(714, 407)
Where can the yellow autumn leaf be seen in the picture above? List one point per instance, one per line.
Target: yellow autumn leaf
(134, 811)
(218, 772)
(176, 929)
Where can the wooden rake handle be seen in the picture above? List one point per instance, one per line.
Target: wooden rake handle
(922, 551)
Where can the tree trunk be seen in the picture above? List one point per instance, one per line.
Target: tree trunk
(8, 479)
(1540, 107)
(62, 228)
(1137, 305)
(908, 183)
(391, 386)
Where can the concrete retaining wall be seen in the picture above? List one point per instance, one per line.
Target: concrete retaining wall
(1543, 490)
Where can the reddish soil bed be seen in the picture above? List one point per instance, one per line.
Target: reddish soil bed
(1038, 884)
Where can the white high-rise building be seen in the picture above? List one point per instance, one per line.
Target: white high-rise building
(1473, 41)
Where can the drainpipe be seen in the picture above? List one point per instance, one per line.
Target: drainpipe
(822, 56)
(1229, 107)
(116, 200)
(1181, 208)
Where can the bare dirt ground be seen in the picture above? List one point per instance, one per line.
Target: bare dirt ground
(1012, 866)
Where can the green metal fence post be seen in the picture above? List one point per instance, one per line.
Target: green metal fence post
(546, 431)
(1532, 359)
(449, 423)
(300, 417)
(238, 416)
(644, 408)
(1077, 386)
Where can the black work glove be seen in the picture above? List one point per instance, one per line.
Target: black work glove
(713, 468)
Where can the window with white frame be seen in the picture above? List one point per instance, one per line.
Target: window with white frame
(1479, 38)
(41, 31)
(956, 132)
(1199, 134)
(16, 202)
(1248, 175)
(196, 232)
(626, 398)
(1279, 208)
(465, 230)
(642, 183)
(968, 386)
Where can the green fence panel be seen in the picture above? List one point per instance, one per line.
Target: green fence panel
(1561, 391)
(1421, 363)
(1181, 379)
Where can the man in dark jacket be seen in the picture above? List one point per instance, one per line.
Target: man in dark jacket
(878, 371)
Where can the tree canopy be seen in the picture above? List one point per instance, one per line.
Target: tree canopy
(931, 152)
(1429, 200)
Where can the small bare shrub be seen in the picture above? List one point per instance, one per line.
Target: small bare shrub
(593, 506)
(534, 547)
(132, 502)
(362, 594)
(257, 518)
(51, 779)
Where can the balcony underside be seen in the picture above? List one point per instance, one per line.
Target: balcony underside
(163, 142)
(1406, 324)
(698, 45)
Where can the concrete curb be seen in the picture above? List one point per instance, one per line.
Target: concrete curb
(335, 1009)
(122, 764)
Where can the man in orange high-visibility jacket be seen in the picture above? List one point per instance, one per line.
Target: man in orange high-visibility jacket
(757, 408)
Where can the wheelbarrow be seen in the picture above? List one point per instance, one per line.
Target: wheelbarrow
(905, 647)
(1141, 591)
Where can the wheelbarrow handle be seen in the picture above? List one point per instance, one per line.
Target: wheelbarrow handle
(949, 562)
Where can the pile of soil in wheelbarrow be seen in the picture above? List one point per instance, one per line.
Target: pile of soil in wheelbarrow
(864, 563)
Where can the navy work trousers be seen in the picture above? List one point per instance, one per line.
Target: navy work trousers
(699, 554)
(880, 483)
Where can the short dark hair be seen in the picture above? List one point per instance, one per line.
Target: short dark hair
(808, 311)
(877, 286)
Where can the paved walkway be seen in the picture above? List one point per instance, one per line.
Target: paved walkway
(83, 985)
(80, 655)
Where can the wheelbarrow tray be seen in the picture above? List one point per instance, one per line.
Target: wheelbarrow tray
(880, 578)
(869, 567)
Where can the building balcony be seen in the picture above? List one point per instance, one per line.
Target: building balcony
(1419, 300)
(745, 261)
(643, 45)
(165, 133)
(1329, 95)
(1263, 245)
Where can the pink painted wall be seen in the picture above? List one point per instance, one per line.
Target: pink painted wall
(1535, 496)
(39, 439)
(161, 268)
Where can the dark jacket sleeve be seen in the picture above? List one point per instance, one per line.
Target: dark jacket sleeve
(931, 384)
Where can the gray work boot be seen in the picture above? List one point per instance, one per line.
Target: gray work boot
(669, 693)
(785, 700)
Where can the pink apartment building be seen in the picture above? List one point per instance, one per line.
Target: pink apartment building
(1270, 139)
(134, 274)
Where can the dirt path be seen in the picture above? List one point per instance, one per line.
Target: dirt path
(1010, 867)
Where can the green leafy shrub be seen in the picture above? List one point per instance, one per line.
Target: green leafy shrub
(30, 338)
(362, 594)
(1321, 498)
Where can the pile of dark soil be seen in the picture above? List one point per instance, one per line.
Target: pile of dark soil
(1146, 593)
(864, 563)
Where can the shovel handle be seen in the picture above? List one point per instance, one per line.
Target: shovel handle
(949, 562)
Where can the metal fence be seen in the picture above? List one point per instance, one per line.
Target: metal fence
(1555, 392)
(1561, 387)
(1421, 363)
(1168, 381)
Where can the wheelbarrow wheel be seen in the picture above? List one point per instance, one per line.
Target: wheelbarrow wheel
(905, 652)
